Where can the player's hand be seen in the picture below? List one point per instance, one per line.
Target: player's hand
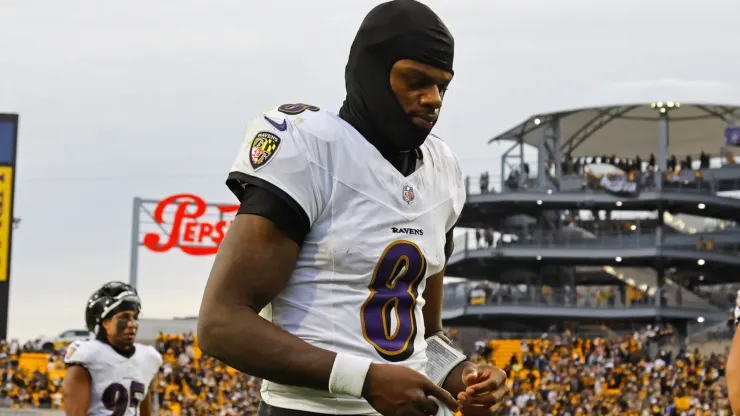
(394, 390)
(737, 308)
(485, 391)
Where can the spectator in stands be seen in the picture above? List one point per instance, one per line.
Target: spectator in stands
(484, 183)
(488, 236)
(704, 159)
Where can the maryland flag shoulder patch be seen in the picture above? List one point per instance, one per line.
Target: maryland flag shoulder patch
(264, 147)
(69, 355)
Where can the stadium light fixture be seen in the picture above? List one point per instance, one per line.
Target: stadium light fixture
(619, 203)
(537, 122)
(633, 227)
(702, 206)
(700, 262)
(539, 202)
(618, 259)
(539, 257)
(700, 319)
(665, 106)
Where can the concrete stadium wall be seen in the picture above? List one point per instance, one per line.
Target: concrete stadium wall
(148, 328)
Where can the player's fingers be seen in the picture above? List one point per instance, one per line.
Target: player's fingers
(483, 387)
(487, 399)
(501, 392)
(496, 378)
(426, 405)
(482, 400)
(470, 375)
(442, 395)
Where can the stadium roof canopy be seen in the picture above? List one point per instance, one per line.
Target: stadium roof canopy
(628, 130)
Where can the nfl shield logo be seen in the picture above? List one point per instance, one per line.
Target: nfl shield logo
(408, 194)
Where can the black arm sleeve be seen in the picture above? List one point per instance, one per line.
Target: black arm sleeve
(259, 197)
(449, 244)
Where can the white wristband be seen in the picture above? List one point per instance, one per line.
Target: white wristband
(348, 375)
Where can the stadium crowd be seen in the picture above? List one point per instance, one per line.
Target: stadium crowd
(565, 375)
(634, 169)
(558, 374)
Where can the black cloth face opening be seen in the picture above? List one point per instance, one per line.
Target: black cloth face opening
(392, 31)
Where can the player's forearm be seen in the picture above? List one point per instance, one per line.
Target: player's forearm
(247, 342)
(732, 374)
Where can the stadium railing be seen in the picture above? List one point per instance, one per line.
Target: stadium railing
(459, 295)
(604, 239)
(586, 185)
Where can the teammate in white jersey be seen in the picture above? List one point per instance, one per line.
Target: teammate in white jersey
(110, 375)
(342, 236)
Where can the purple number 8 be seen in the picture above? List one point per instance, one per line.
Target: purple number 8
(117, 399)
(293, 109)
(393, 290)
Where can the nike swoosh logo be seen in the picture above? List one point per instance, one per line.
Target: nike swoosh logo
(281, 127)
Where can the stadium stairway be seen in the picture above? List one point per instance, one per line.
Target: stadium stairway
(691, 224)
(30, 362)
(646, 280)
(503, 349)
(719, 347)
(676, 296)
(34, 361)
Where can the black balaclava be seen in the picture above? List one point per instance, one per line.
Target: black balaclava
(392, 31)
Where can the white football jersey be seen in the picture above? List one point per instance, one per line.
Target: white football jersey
(376, 235)
(119, 384)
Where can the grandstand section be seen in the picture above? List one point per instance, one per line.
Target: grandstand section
(558, 372)
(627, 130)
(595, 232)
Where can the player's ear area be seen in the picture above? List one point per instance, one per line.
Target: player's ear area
(107, 323)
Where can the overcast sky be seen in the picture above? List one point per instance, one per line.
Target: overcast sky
(149, 99)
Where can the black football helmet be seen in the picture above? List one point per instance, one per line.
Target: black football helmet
(112, 297)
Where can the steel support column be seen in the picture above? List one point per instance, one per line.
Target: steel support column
(504, 161)
(133, 278)
(662, 149)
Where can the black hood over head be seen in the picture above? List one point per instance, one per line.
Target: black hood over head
(392, 31)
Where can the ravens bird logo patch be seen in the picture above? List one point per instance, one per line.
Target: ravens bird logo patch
(263, 149)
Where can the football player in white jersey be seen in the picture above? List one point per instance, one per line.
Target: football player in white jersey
(341, 240)
(110, 375)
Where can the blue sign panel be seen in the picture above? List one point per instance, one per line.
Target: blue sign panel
(7, 143)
